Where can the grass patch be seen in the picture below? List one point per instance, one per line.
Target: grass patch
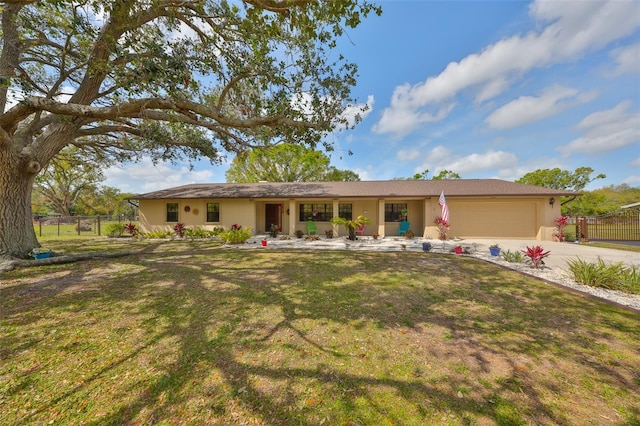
(617, 246)
(191, 332)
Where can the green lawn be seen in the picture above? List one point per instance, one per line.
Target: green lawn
(188, 332)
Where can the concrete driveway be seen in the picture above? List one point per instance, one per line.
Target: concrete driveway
(561, 252)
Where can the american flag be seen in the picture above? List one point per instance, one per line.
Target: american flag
(445, 209)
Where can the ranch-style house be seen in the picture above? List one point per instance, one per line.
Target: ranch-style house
(480, 208)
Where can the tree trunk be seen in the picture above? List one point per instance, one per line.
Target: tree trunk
(352, 233)
(17, 236)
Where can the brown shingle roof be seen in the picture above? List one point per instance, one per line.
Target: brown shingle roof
(376, 189)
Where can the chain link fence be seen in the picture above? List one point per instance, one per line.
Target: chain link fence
(89, 226)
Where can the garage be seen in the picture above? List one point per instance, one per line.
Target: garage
(492, 219)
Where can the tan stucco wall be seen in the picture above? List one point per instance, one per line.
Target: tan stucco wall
(498, 217)
(153, 214)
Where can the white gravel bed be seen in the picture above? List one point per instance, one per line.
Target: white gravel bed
(563, 278)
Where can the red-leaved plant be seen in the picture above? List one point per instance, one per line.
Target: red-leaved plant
(131, 229)
(179, 229)
(536, 254)
(443, 228)
(558, 233)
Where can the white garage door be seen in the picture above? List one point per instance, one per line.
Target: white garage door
(493, 219)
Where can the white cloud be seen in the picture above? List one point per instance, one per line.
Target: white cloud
(408, 154)
(572, 30)
(441, 158)
(476, 162)
(633, 180)
(529, 109)
(146, 177)
(627, 59)
(606, 131)
(402, 120)
(635, 163)
(365, 174)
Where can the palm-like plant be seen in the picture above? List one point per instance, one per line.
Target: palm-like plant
(351, 224)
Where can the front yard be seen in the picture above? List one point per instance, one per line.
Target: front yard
(188, 332)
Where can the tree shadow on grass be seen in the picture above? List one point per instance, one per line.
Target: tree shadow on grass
(249, 317)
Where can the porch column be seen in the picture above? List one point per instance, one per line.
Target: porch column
(336, 213)
(426, 216)
(381, 223)
(293, 215)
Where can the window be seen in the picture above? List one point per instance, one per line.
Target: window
(345, 211)
(213, 212)
(316, 212)
(172, 212)
(394, 212)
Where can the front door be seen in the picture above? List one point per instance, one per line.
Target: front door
(273, 215)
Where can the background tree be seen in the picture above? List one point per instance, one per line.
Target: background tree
(70, 179)
(337, 175)
(107, 201)
(561, 179)
(444, 174)
(285, 163)
(603, 200)
(124, 78)
(564, 180)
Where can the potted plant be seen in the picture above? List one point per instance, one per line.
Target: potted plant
(273, 230)
(375, 235)
(494, 249)
(328, 233)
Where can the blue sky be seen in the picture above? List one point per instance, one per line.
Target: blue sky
(487, 89)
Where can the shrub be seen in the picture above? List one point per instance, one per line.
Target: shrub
(115, 230)
(273, 230)
(236, 235)
(216, 231)
(299, 233)
(570, 235)
(198, 233)
(535, 255)
(512, 256)
(158, 234)
(613, 276)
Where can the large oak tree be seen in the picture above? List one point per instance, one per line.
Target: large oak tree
(172, 79)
